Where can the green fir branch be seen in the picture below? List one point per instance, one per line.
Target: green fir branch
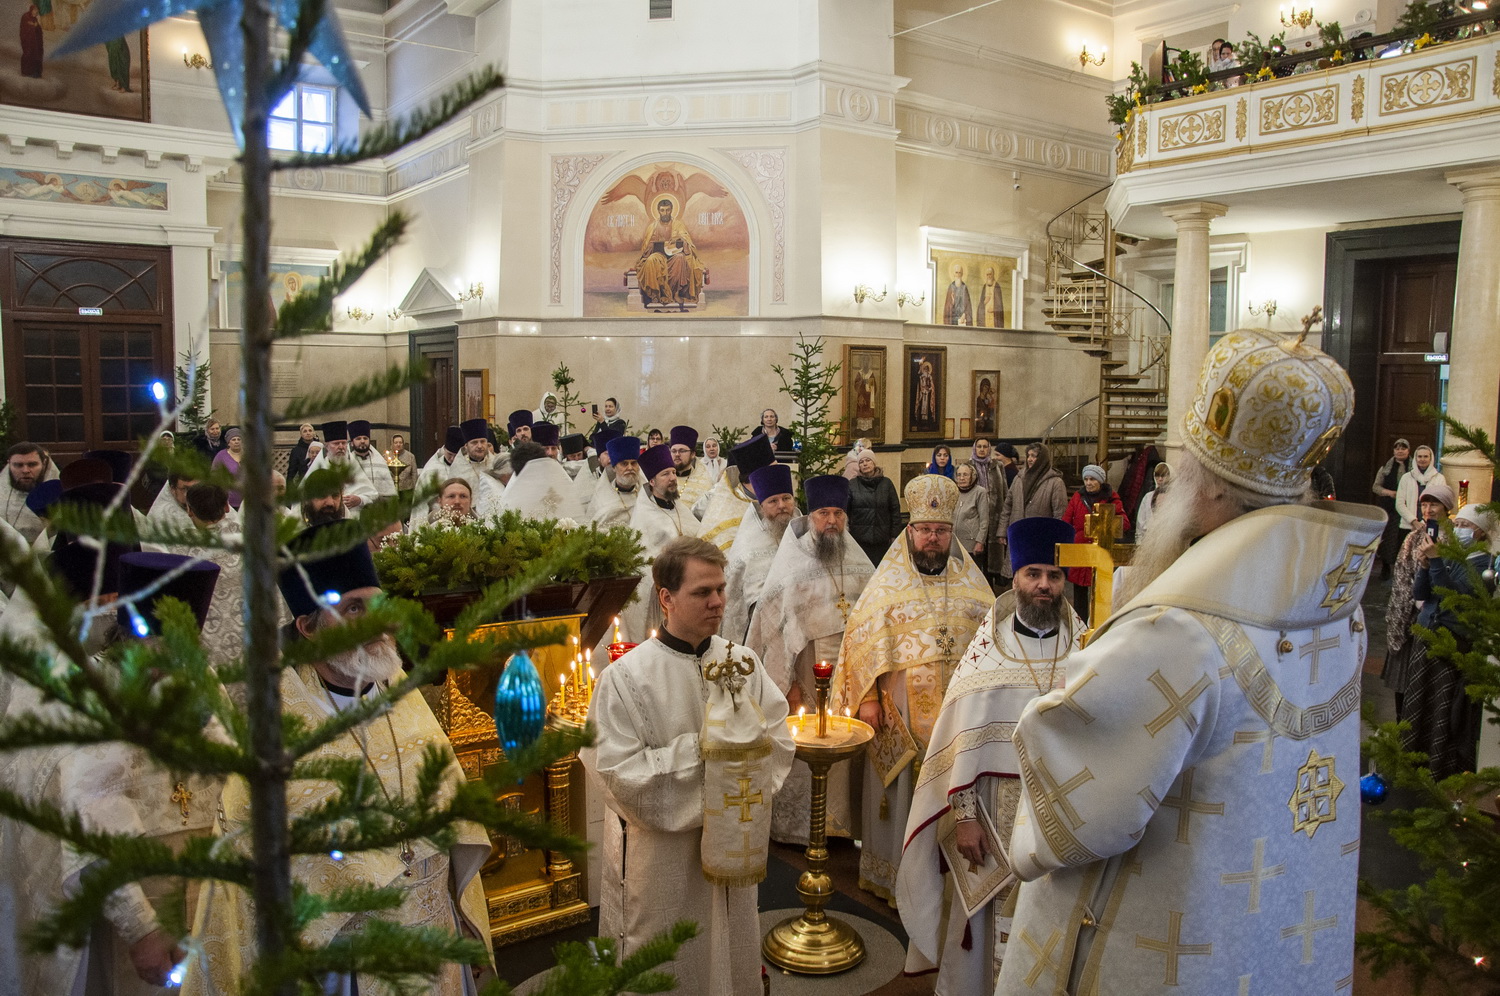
(312, 309)
(384, 139)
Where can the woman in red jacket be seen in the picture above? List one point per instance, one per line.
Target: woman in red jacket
(1095, 489)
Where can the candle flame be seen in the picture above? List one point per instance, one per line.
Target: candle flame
(653, 634)
(588, 656)
(801, 712)
(562, 679)
(591, 674)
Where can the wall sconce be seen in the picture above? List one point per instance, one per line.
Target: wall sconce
(474, 292)
(1267, 308)
(863, 291)
(395, 314)
(194, 60)
(1294, 18)
(903, 298)
(359, 314)
(1084, 59)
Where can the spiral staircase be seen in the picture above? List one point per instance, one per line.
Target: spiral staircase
(1086, 304)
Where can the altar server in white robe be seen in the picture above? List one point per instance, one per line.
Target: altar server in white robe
(111, 787)
(669, 823)
(541, 488)
(729, 502)
(372, 475)
(954, 882)
(619, 486)
(693, 480)
(27, 465)
(469, 465)
(439, 467)
(755, 547)
(1190, 815)
(818, 574)
(660, 517)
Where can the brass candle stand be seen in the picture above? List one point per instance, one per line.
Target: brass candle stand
(815, 943)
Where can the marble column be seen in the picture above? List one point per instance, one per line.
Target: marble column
(1474, 348)
(1189, 311)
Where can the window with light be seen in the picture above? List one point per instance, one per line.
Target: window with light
(304, 120)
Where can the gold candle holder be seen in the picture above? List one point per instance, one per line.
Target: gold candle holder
(815, 943)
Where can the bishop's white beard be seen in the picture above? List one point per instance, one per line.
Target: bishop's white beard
(366, 664)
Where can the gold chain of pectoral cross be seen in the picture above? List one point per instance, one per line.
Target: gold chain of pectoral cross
(182, 796)
(945, 641)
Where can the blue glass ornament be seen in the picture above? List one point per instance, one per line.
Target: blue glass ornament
(1373, 788)
(520, 706)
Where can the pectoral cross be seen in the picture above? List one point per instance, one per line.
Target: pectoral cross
(843, 606)
(945, 643)
(182, 797)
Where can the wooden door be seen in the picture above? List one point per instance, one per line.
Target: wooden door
(1416, 318)
(434, 404)
(87, 329)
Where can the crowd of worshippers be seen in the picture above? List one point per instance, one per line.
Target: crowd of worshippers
(1044, 815)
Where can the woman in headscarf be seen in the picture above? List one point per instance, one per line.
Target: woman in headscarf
(229, 459)
(1163, 476)
(971, 520)
(1094, 491)
(1401, 611)
(1036, 490)
(297, 463)
(941, 462)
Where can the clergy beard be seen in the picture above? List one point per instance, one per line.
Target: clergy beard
(366, 664)
(670, 494)
(25, 487)
(776, 525)
(929, 563)
(322, 516)
(627, 479)
(1181, 515)
(361, 453)
(829, 547)
(1037, 615)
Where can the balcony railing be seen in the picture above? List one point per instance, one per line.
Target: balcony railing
(1439, 85)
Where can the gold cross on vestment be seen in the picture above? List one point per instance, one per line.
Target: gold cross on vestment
(1178, 706)
(744, 800)
(1266, 737)
(182, 797)
(1043, 956)
(1057, 795)
(1309, 926)
(1315, 649)
(945, 643)
(843, 606)
(1171, 947)
(1257, 873)
(1186, 806)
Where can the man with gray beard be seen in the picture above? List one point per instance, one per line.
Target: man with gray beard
(755, 546)
(619, 485)
(440, 888)
(817, 576)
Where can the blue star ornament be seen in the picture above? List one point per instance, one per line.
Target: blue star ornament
(106, 20)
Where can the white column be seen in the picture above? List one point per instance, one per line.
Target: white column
(1189, 311)
(1474, 350)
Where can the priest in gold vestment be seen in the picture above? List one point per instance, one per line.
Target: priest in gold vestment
(916, 615)
(1190, 820)
(442, 887)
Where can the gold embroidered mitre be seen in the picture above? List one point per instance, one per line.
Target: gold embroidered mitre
(1267, 410)
(931, 498)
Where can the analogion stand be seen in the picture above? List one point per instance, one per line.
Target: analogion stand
(816, 943)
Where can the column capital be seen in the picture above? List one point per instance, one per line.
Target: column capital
(1189, 212)
(1482, 181)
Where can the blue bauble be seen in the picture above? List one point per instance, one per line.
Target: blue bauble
(520, 706)
(1373, 788)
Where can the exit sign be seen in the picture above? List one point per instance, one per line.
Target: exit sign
(1435, 357)
(91, 311)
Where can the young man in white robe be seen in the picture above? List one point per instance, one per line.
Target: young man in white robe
(441, 888)
(541, 488)
(1190, 814)
(906, 634)
(664, 802)
(818, 574)
(372, 475)
(755, 547)
(470, 465)
(952, 886)
(693, 482)
(111, 787)
(729, 502)
(27, 465)
(660, 517)
(619, 486)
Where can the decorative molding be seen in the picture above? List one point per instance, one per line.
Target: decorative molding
(430, 294)
(768, 168)
(333, 183)
(449, 157)
(859, 108)
(1021, 64)
(1240, 114)
(1184, 131)
(1431, 86)
(1299, 109)
(567, 173)
(935, 128)
(1357, 100)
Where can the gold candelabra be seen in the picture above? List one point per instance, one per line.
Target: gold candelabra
(815, 943)
(576, 689)
(1294, 18)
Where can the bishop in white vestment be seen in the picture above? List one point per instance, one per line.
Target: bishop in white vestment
(648, 710)
(541, 488)
(953, 884)
(1190, 820)
(818, 574)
